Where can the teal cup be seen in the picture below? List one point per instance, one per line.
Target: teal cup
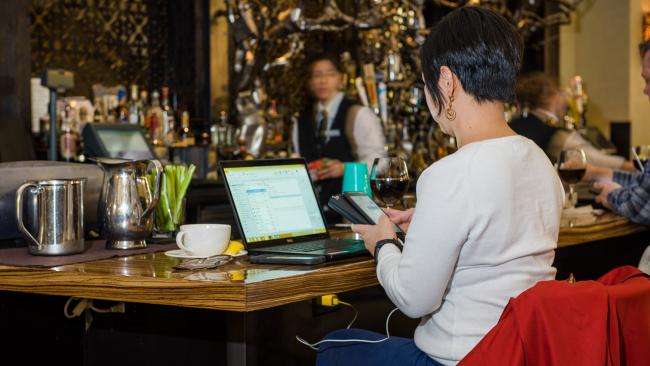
(355, 178)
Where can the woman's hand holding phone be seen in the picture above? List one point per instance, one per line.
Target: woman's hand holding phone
(400, 218)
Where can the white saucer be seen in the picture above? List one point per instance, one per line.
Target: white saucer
(180, 253)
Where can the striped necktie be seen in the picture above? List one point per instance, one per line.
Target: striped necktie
(321, 125)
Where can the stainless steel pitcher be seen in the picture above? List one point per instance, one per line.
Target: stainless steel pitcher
(58, 220)
(127, 202)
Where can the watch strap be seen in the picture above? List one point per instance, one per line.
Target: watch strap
(383, 242)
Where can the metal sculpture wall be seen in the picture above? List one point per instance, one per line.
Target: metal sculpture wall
(103, 41)
(271, 39)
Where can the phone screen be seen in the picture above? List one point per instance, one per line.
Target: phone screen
(368, 206)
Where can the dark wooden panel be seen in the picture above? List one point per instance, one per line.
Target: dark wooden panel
(15, 143)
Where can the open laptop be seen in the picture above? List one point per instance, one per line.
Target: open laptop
(277, 210)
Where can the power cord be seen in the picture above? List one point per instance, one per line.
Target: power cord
(87, 304)
(332, 300)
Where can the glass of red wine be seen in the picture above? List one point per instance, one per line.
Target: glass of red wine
(571, 167)
(389, 180)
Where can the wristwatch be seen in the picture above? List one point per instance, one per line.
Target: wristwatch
(383, 242)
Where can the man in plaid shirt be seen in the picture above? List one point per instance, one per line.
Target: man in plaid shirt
(626, 193)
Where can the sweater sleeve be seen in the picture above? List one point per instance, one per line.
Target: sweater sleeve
(416, 279)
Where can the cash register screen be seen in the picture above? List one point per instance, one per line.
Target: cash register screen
(125, 144)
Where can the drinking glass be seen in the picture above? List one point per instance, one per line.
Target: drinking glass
(641, 155)
(571, 167)
(389, 180)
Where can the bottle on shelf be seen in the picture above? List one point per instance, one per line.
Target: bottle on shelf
(98, 116)
(142, 109)
(168, 119)
(133, 106)
(121, 111)
(186, 136)
(421, 157)
(68, 138)
(155, 116)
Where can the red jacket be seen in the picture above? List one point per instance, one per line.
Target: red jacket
(604, 322)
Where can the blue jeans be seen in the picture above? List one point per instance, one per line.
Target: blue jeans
(393, 351)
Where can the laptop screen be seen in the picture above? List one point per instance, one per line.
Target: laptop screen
(274, 201)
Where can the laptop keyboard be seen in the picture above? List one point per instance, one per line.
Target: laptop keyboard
(310, 246)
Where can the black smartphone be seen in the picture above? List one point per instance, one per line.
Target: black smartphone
(287, 259)
(366, 207)
(342, 206)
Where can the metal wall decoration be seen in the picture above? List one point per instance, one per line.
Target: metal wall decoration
(102, 41)
(272, 38)
(525, 14)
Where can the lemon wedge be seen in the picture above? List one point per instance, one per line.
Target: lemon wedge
(234, 247)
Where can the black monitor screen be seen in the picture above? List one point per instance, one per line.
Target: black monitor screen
(124, 144)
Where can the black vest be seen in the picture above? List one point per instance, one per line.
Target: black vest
(535, 129)
(337, 147)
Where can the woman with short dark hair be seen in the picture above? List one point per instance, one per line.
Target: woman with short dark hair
(487, 217)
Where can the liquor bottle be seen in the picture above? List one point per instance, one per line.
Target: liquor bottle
(578, 102)
(142, 109)
(155, 116)
(371, 86)
(420, 158)
(133, 105)
(186, 136)
(121, 111)
(68, 138)
(98, 116)
(168, 117)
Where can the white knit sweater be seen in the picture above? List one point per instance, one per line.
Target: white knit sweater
(484, 230)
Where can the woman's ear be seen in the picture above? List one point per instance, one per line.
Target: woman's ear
(447, 82)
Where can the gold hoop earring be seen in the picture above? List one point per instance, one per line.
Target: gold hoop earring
(450, 112)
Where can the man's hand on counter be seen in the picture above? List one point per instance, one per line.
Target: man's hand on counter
(597, 174)
(605, 188)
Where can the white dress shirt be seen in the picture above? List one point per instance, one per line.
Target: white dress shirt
(484, 230)
(368, 133)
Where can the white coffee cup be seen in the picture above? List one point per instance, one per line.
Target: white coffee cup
(203, 240)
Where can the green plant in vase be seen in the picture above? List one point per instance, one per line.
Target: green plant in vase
(170, 211)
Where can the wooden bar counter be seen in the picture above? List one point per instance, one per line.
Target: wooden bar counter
(237, 314)
(237, 286)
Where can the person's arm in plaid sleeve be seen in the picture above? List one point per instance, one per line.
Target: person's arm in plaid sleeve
(626, 179)
(632, 201)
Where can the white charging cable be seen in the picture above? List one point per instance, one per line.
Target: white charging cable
(314, 345)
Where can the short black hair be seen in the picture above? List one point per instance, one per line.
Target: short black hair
(644, 47)
(481, 47)
(326, 56)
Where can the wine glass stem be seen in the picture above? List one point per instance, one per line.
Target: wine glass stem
(571, 193)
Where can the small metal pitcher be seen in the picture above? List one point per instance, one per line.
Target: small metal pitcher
(59, 213)
(127, 202)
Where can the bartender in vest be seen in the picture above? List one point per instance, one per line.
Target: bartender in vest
(333, 130)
